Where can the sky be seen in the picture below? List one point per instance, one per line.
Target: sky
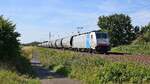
(34, 19)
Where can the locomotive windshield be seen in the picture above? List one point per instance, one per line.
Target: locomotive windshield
(101, 35)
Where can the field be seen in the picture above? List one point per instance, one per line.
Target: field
(95, 68)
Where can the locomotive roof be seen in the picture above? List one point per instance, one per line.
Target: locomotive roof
(89, 32)
(81, 34)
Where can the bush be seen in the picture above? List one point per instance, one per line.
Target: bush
(144, 35)
(94, 69)
(23, 66)
(125, 72)
(9, 45)
(10, 51)
(61, 69)
(87, 69)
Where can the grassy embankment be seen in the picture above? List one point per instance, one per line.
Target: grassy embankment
(94, 69)
(140, 46)
(137, 49)
(9, 74)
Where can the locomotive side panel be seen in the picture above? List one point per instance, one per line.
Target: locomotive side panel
(81, 41)
(88, 41)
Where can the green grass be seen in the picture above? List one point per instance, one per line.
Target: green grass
(140, 49)
(93, 69)
(27, 51)
(9, 77)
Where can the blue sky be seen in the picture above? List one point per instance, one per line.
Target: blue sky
(36, 18)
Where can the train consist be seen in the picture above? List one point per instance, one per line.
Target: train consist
(90, 42)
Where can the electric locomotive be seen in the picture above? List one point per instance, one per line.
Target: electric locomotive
(90, 41)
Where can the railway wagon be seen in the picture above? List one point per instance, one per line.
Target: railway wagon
(50, 44)
(90, 41)
(59, 43)
(53, 44)
(43, 44)
(46, 44)
(67, 42)
(39, 45)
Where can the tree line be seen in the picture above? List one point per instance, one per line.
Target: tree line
(120, 29)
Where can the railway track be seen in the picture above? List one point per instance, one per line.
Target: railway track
(115, 56)
(96, 53)
(116, 53)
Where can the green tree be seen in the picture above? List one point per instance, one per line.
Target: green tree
(9, 45)
(137, 31)
(145, 33)
(119, 28)
(145, 29)
(10, 51)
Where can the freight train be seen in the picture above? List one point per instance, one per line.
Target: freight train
(94, 41)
